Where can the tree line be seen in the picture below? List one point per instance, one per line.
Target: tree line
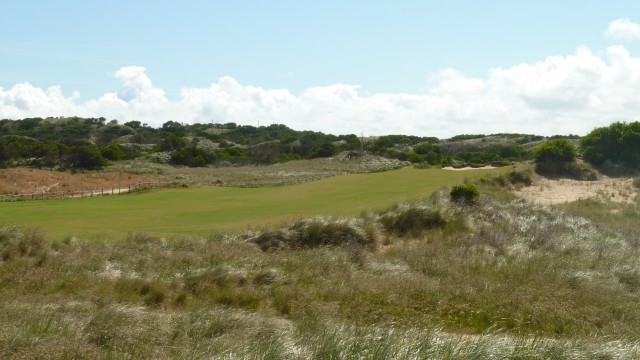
(91, 143)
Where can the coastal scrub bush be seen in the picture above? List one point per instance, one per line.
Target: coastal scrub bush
(557, 150)
(412, 220)
(557, 158)
(617, 143)
(514, 178)
(466, 194)
(317, 232)
(569, 169)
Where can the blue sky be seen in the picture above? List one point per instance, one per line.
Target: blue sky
(295, 56)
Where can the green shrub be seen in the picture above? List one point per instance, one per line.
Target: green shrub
(112, 152)
(465, 194)
(636, 182)
(572, 170)
(557, 150)
(618, 143)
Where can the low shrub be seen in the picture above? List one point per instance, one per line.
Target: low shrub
(465, 194)
(513, 178)
(265, 277)
(636, 182)
(520, 177)
(412, 220)
(317, 232)
(272, 240)
(562, 169)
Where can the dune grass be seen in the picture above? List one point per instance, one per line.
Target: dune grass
(434, 279)
(203, 210)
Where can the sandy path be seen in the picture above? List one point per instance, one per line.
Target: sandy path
(549, 192)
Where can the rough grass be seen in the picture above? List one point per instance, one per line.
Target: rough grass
(505, 279)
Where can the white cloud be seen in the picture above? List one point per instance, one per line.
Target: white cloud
(557, 95)
(623, 29)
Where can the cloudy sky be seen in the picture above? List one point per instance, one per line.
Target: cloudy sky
(432, 68)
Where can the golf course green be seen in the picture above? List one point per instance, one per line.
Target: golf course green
(206, 209)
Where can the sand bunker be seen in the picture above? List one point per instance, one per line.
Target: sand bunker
(487, 167)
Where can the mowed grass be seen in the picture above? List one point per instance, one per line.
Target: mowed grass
(204, 210)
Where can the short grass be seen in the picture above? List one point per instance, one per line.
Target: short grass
(206, 209)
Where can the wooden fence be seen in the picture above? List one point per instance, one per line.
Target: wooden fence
(81, 193)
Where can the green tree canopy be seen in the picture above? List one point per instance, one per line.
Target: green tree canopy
(618, 143)
(557, 150)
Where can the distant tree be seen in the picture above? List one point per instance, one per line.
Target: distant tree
(174, 127)
(171, 142)
(430, 152)
(134, 124)
(85, 157)
(112, 152)
(324, 149)
(467, 137)
(45, 155)
(193, 156)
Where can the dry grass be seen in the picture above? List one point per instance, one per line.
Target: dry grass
(29, 181)
(503, 279)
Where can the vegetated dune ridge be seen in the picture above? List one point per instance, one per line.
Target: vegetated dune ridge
(550, 192)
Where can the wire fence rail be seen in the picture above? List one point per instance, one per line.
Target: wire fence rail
(46, 195)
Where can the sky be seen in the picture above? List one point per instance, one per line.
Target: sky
(428, 68)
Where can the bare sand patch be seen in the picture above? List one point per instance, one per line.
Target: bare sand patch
(548, 192)
(487, 167)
